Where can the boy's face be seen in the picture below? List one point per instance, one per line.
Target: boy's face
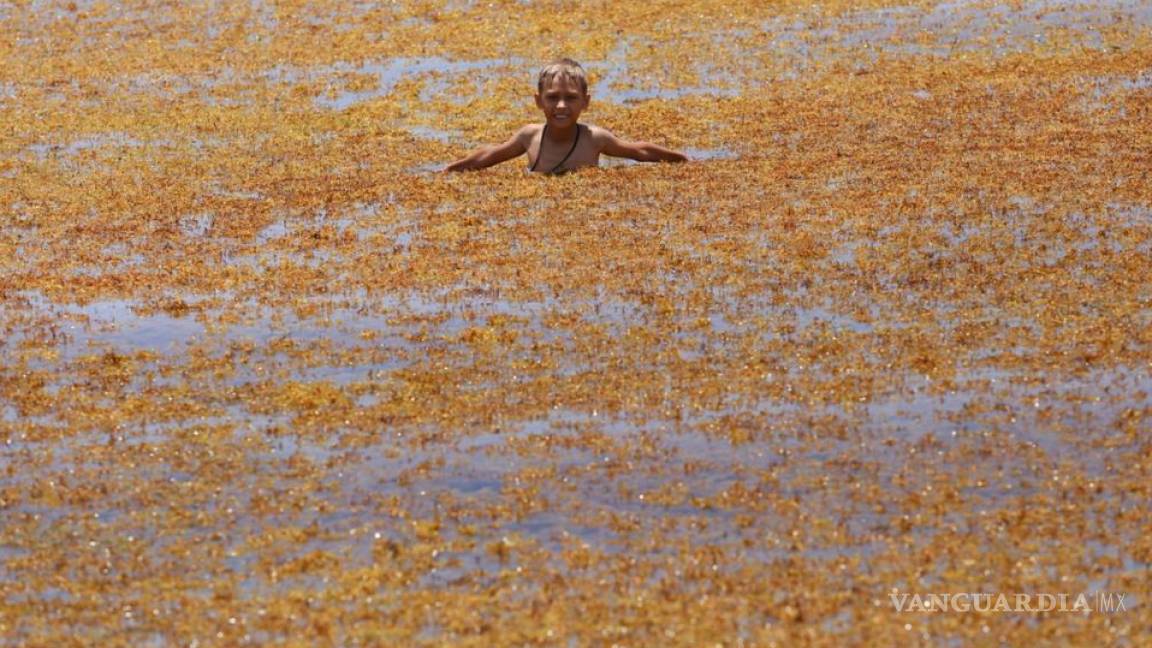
(562, 101)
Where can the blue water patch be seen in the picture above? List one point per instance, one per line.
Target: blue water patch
(390, 72)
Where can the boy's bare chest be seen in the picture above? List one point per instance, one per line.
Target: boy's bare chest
(546, 155)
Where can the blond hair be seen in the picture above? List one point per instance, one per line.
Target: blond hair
(564, 68)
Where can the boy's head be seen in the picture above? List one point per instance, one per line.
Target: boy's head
(562, 68)
(562, 92)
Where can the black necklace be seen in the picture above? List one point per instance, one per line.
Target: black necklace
(561, 163)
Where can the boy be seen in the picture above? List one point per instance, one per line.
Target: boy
(562, 144)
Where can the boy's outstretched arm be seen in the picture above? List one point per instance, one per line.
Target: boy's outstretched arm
(639, 151)
(491, 155)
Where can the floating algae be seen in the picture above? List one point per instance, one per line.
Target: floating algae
(264, 375)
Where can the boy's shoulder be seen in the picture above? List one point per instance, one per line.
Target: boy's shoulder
(531, 130)
(599, 134)
(526, 134)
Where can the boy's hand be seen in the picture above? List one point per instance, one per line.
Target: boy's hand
(458, 165)
(476, 160)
